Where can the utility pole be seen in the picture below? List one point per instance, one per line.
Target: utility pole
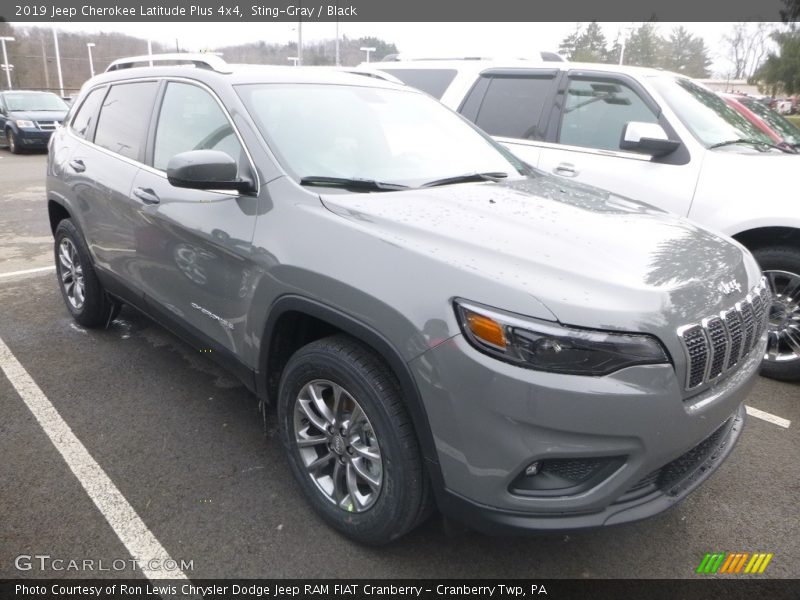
(89, 46)
(368, 50)
(58, 63)
(44, 64)
(6, 64)
(338, 62)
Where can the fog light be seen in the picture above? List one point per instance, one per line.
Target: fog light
(532, 469)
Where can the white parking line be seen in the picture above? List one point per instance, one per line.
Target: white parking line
(774, 419)
(27, 272)
(129, 527)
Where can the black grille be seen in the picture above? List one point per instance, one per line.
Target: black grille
(720, 342)
(573, 469)
(671, 474)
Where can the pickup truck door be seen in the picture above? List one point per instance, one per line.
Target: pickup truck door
(583, 142)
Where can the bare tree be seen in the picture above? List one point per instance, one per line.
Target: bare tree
(747, 46)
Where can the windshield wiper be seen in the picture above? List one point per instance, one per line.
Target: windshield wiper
(466, 178)
(352, 183)
(746, 141)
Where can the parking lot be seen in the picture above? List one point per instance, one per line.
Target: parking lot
(184, 444)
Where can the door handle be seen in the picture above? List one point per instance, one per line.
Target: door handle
(77, 165)
(146, 195)
(565, 170)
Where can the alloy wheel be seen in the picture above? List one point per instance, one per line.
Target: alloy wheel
(338, 446)
(784, 317)
(71, 274)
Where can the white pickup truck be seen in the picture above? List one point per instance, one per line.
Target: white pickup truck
(647, 134)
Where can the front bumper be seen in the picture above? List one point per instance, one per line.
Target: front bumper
(33, 138)
(490, 420)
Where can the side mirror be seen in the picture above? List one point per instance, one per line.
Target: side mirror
(649, 138)
(206, 170)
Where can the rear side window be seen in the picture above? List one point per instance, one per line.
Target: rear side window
(431, 81)
(84, 118)
(596, 111)
(190, 119)
(124, 117)
(513, 106)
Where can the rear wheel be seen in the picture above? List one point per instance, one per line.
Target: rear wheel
(781, 266)
(350, 442)
(83, 294)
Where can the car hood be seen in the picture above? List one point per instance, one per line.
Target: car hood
(38, 115)
(592, 258)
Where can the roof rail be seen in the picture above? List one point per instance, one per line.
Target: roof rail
(199, 60)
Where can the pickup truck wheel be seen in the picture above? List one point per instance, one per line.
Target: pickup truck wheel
(13, 144)
(350, 442)
(83, 294)
(781, 266)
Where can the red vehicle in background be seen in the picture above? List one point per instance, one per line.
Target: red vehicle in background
(783, 132)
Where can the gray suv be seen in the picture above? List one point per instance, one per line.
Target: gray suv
(437, 324)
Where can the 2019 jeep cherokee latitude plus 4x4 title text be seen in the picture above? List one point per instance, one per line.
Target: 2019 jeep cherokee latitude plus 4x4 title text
(436, 323)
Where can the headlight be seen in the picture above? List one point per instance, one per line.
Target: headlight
(550, 347)
(25, 124)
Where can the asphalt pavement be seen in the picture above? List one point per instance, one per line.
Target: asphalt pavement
(185, 446)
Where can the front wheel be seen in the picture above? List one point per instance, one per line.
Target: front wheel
(781, 267)
(13, 143)
(350, 442)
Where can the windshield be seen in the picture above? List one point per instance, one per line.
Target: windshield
(776, 122)
(21, 101)
(365, 133)
(706, 115)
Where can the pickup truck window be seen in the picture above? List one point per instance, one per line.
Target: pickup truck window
(513, 106)
(431, 81)
(596, 111)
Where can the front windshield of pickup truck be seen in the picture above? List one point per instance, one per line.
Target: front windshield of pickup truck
(395, 138)
(705, 113)
(787, 130)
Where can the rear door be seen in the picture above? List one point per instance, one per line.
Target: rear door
(193, 247)
(112, 125)
(583, 142)
(512, 105)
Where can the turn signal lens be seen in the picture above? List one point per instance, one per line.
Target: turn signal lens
(485, 329)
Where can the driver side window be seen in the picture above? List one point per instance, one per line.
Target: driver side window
(190, 119)
(596, 111)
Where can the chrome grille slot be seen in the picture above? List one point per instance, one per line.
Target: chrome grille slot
(719, 346)
(719, 342)
(733, 323)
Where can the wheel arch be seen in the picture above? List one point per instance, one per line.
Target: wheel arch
(763, 237)
(294, 321)
(56, 212)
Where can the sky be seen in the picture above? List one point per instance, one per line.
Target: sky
(500, 40)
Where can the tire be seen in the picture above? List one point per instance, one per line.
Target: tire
(92, 308)
(13, 144)
(402, 499)
(781, 266)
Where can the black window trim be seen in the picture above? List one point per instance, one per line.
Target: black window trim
(681, 156)
(151, 130)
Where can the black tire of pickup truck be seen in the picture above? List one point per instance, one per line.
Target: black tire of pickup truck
(404, 499)
(786, 259)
